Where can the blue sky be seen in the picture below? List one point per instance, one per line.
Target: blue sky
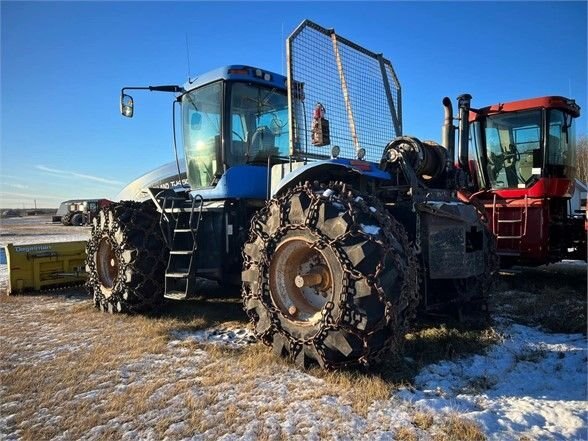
(63, 64)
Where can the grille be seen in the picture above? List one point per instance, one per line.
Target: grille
(358, 89)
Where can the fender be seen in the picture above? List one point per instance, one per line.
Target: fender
(331, 169)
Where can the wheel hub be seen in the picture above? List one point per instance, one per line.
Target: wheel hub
(106, 266)
(300, 281)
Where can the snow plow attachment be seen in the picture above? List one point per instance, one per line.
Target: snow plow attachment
(45, 266)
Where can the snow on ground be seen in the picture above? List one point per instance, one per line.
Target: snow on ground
(533, 383)
(233, 338)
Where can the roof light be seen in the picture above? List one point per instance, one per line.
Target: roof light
(258, 73)
(267, 77)
(239, 71)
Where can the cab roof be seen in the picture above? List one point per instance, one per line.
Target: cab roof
(238, 72)
(544, 102)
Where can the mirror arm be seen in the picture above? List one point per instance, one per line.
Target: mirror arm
(127, 108)
(172, 89)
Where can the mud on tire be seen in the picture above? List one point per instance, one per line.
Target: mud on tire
(329, 277)
(126, 259)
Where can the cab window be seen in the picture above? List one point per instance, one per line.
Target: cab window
(513, 143)
(259, 124)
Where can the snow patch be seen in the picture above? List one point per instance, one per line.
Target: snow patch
(236, 337)
(533, 383)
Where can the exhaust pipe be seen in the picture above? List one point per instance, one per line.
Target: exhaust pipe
(448, 132)
(463, 101)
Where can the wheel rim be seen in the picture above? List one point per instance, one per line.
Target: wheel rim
(106, 266)
(301, 281)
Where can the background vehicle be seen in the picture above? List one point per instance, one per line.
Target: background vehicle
(79, 212)
(522, 160)
(336, 246)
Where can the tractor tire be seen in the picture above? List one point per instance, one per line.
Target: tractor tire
(126, 259)
(329, 277)
(77, 220)
(66, 219)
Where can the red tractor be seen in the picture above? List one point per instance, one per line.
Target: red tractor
(521, 160)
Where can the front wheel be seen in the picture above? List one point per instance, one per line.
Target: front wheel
(126, 259)
(329, 277)
(66, 219)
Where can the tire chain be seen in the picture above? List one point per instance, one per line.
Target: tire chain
(394, 233)
(108, 226)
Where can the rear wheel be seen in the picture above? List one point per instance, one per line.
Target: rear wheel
(329, 277)
(126, 259)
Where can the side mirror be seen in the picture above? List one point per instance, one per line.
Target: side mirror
(196, 121)
(126, 105)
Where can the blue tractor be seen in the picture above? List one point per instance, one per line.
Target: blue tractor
(337, 227)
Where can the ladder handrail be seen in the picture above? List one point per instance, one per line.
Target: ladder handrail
(523, 220)
(526, 212)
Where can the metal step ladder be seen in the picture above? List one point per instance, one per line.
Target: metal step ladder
(180, 221)
(506, 229)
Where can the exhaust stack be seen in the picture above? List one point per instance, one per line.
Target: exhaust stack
(448, 132)
(463, 101)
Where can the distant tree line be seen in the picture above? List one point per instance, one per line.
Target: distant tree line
(582, 158)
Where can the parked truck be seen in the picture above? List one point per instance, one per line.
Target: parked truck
(302, 189)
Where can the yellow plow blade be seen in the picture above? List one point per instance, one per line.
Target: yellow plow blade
(45, 266)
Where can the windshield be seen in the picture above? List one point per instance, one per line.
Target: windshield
(259, 124)
(201, 110)
(560, 145)
(513, 143)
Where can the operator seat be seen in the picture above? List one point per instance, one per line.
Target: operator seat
(262, 144)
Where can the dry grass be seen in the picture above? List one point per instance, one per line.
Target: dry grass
(422, 420)
(539, 296)
(430, 343)
(362, 390)
(103, 372)
(457, 428)
(479, 385)
(406, 434)
(74, 351)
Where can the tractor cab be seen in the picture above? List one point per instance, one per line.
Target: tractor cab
(524, 144)
(233, 116)
(522, 162)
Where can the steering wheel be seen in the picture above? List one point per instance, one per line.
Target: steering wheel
(239, 136)
(257, 140)
(513, 154)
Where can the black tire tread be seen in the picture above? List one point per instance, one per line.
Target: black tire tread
(133, 231)
(370, 317)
